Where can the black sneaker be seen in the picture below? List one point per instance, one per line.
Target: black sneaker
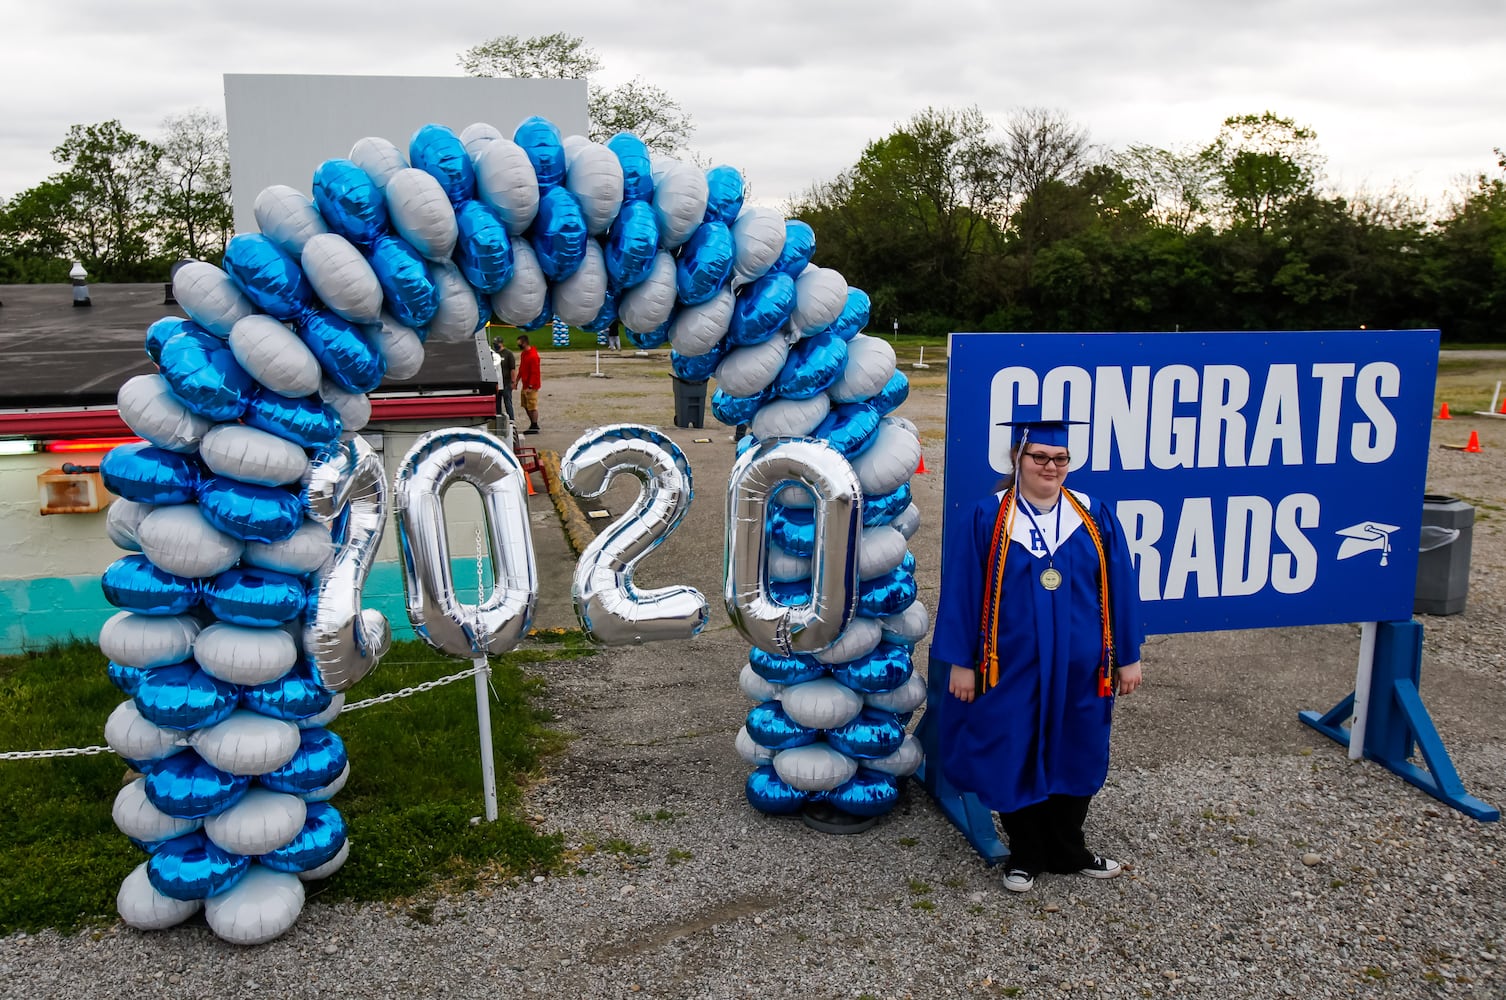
(1018, 880)
(531, 430)
(1102, 868)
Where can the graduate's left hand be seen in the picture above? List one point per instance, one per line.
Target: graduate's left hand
(1127, 678)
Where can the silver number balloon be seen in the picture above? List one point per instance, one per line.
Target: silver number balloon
(345, 640)
(759, 474)
(611, 610)
(437, 461)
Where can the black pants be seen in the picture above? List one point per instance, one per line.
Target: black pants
(504, 402)
(1047, 837)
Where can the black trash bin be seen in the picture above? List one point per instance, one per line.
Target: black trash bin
(1448, 527)
(690, 403)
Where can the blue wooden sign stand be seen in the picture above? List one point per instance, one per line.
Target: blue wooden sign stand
(973, 818)
(1392, 720)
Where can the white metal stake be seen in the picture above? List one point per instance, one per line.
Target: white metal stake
(922, 362)
(598, 372)
(1495, 397)
(1362, 690)
(483, 703)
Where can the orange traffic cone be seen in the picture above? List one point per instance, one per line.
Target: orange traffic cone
(1474, 442)
(1443, 413)
(920, 469)
(1503, 406)
(528, 478)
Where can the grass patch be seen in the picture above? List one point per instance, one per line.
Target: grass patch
(415, 783)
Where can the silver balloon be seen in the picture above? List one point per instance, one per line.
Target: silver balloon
(437, 461)
(758, 475)
(345, 640)
(611, 610)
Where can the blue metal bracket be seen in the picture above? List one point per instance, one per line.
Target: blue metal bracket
(972, 817)
(1396, 721)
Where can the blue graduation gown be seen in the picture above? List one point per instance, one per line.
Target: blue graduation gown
(1043, 729)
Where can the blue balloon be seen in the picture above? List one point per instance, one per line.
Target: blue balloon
(884, 669)
(724, 194)
(483, 251)
(886, 507)
(406, 286)
(350, 201)
(187, 786)
(698, 367)
(294, 696)
(849, 427)
(894, 392)
(733, 410)
(888, 594)
(778, 669)
(770, 727)
(762, 308)
(541, 140)
(344, 351)
(768, 793)
(705, 263)
(321, 838)
(258, 598)
(306, 422)
(793, 529)
(743, 444)
(812, 366)
(146, 474)
(193, 867)
(790, 593)
(319, 760)
(651, 339)
(632, 244)
(605, 317)
(203, 373)
(874, 733)
(438, 152)
(559, 234)
(128, 679)
(164, 329)
(853, 317)
(799, 247)
(271, 279)
(249, 512)
(181, 696)
(637, 167)
(483, 309)
(134, 584)
(868, 793)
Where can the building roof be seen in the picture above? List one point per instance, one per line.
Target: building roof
(54, 355)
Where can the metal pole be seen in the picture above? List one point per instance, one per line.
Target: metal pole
(1362, 690)
(483, 703)
(1495, 397)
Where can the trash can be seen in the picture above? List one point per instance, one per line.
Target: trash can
(690, 402)
(1448, 527)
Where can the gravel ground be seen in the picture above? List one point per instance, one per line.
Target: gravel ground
(1262, 861)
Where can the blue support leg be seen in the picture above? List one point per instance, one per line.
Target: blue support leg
(1397, 720)
(972, 817)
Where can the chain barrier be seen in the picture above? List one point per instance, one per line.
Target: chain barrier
(381, 699)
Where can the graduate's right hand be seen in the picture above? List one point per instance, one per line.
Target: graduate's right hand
(962, 684)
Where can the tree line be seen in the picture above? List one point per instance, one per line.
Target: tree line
(950, 222)
(955, 222)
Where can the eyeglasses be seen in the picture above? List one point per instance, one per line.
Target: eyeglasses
(1042, 459)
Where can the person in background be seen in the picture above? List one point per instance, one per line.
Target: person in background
(1039, 621)
(506, 366)
(528, 377)
(614, 343)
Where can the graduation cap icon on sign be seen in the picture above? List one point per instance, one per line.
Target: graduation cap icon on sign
(1366, 536)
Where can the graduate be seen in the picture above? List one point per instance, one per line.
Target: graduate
(1039, 620)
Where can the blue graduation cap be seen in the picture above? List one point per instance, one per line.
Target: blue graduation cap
(1028, 426)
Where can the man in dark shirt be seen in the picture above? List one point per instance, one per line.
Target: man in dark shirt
(506, 370)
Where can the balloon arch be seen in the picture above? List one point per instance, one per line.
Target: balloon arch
(253, 509)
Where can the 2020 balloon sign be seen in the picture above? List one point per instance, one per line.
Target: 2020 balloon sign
(253, 509)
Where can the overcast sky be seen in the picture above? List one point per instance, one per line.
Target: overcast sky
(1399, 92)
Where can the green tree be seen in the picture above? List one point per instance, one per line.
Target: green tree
(193, 186)
(1177, 184)
(1466, 265)
(1262, 163)
(637, 106)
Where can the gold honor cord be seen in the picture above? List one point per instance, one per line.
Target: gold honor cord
(988, 666)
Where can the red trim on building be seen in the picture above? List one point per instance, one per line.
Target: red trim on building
(106, 422)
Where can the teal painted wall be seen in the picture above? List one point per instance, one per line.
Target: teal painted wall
(36, 613)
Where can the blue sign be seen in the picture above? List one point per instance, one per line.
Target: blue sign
(1262, 478)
